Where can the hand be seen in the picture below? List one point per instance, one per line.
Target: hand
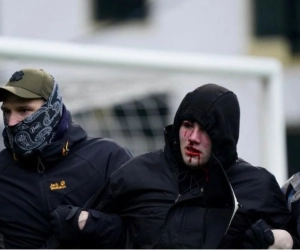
(82, 219)
(283, 240)
(259, 236)
(64, 220)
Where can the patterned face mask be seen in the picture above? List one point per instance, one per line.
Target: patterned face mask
(36, 130)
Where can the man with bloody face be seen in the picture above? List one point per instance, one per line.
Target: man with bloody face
(195, 144)
(194, 193)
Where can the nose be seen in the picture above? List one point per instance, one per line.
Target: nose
(13, 119)
(196, 135)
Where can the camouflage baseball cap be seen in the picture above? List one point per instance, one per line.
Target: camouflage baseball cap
(29, 84)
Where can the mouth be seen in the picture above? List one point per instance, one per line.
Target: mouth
(190, 151)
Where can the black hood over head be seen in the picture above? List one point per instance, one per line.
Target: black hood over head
(217, 111)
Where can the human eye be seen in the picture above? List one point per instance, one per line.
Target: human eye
(5, 111)
(24, 110)
(187, 124)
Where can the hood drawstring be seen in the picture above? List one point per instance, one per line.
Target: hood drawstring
(15, 157)
(181, 176)
(192, 182)
(40, 166)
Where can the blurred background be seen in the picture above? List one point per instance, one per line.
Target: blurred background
(132, 105)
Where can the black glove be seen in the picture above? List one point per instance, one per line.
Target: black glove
(64, 220)
(259, 236)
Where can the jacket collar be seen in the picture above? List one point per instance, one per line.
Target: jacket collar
(51, 154)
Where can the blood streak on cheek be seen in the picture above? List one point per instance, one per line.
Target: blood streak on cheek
(185, 133)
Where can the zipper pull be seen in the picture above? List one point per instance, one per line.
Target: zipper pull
(178, 197)
(65, 150)
(40, 166)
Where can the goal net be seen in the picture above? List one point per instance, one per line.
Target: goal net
(129, 95)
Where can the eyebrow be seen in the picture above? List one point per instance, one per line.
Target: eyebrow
(21, 106)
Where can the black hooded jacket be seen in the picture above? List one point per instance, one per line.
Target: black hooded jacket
(66, 172)
(164, 204)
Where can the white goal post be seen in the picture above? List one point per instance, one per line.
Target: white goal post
(267, 70)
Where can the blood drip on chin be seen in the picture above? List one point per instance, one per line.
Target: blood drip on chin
(203, 168)
(193, 155)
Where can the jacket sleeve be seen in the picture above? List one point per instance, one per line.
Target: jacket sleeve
(259, 197)
(104, 227)
(274, 209)
(104, 230)
(262, 198)
(291, 190)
